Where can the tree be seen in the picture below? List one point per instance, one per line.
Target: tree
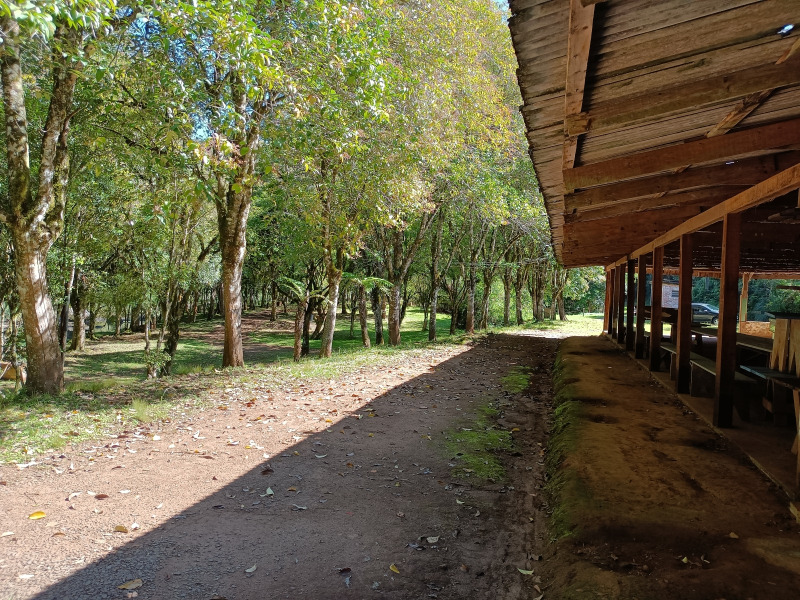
(60, 39)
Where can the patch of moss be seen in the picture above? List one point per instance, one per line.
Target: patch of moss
(517, 380)
(566, 490)
(475, 446)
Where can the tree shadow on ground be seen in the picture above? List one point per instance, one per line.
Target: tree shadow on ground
(367, 501)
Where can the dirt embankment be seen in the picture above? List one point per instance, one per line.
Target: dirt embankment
(653, 504)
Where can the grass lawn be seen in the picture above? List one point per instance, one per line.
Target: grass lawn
(107, 391)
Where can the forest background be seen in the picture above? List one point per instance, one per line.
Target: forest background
(174, 161)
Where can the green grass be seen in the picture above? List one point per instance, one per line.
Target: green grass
(474, 446)
(106, 386)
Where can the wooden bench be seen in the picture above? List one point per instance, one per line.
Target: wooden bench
(669, 352)
(780, 385)
(703, 380)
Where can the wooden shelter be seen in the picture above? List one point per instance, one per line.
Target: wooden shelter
(666, 135)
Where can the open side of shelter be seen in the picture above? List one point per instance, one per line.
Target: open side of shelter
(666, 139)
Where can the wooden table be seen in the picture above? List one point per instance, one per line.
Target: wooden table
(786, 347)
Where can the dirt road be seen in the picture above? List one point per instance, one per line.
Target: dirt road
(334, 489)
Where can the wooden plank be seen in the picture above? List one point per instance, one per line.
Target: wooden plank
(769, 189)
(703, 197)
(746, 277)
(684, 341)
(630, 337)
(656, 323)
(620, 305)
(747, 172)
(641, 292)
(581, 19)
(726, 330)
(745, 106)
(776, 135)
(791, 51)
(658, 103)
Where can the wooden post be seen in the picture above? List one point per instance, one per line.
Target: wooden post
(612, 307)
(630, 337)
(746, 277)
(684, 342)
(726, 331)
(641, 289)
(620, 303)
(607, 303)
(655, 309)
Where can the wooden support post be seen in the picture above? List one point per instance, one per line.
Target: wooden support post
(641, 289)
(655, 309)
(630, 337)
(607, 304)
(620, 303)
(684, 342)
(726, 332)
(746, 277)
(612, 307)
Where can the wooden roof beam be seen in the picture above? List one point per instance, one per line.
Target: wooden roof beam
(784, 134)
(651, 105)
(777, 185)
(581, 20)
(707, 197)
(746, 173)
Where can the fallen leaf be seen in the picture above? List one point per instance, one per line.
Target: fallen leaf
(267, 471)
(121, 529)
(524, 572)
(58, 533)
(131, 585)
(733, 536)
(292, 489)
(296, 507)
(124, 491)
(73, 495)
(37, 515)
(134, 527)
(433, 540)
(6, 533)
(459, 501)
(320, 455)
(100, 496)
(25, 576)
(251, 569)
(393, 568)
(270, 492)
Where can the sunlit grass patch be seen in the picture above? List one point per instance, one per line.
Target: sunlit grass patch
(474, 447)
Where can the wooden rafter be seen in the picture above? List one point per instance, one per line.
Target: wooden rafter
(746, 173)
(653, 104)
(777, 185)
(581, 19)
(785, 134)
(707, 197)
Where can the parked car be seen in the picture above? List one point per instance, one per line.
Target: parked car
(705, 313)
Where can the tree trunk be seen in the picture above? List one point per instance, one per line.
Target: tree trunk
(395, 307)
(302, 303)
(470, 326)
(334, 275)
(433, 314)
(63, 322)
(362, 315)
(377, 310)
(273, 313)
(309, 312)
(507, 297)
(92, 321)
(78, 321)
(45, 367)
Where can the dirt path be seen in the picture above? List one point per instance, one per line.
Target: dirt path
(335, 489)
